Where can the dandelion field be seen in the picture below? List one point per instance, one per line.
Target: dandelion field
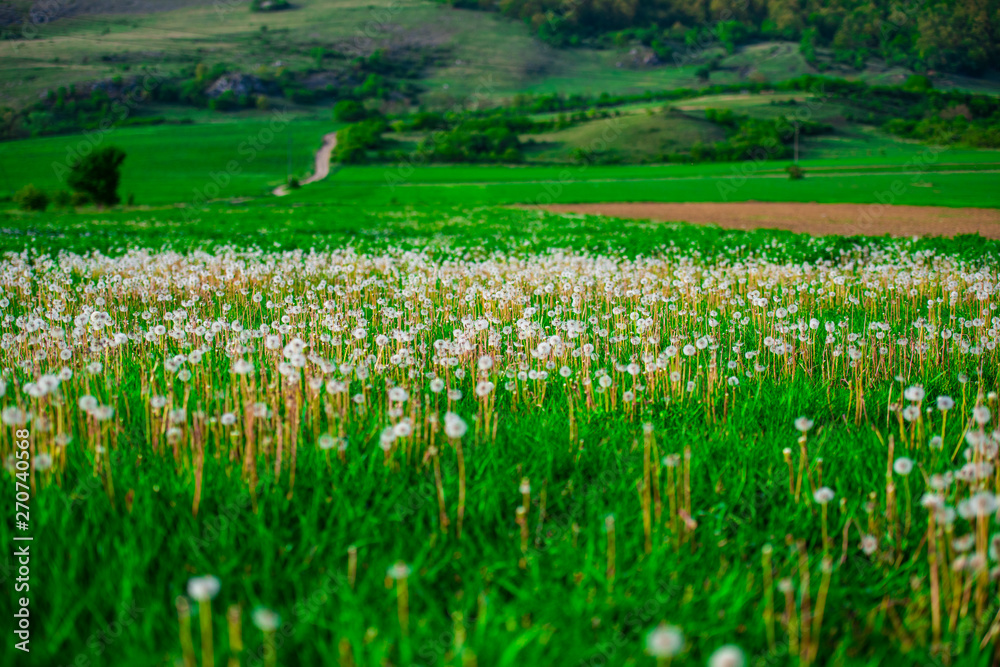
(496, 437)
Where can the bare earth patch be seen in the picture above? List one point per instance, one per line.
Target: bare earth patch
(811, 218)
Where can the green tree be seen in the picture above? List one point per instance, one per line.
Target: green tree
(349, 111)
(918, 83)
(97, 175)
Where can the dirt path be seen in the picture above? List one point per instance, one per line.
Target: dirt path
(321, 168)
(817, 219)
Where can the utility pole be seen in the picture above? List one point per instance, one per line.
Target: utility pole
(796, 143)
(288, 174)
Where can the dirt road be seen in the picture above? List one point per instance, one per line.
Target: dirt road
(321, 168)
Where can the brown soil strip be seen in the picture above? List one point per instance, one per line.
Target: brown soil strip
(817, 219)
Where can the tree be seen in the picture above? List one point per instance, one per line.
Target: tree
(349, 111)
(918, 83)
(97, 175)
(31, 198)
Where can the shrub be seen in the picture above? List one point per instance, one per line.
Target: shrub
(97, 175)
(795, 172)
(269, 5)
(30, 198)
(63, 199)
(918, 83)
(349, 111)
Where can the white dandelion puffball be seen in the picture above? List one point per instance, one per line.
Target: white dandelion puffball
(665, 641)
(203, 588)
(454, 426)
(727, 656)
(265, 619)
(399, 570)
(981, 414)
(903, 466)
(823, 495)
(803, 424)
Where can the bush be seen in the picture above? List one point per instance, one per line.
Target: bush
(918, 83)
(30, 198)
(269, 5)
(97, 175)
(349, 111)
(795, 172)
(354, 141)
(63, 199)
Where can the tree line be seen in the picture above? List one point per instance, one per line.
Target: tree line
(949, 35)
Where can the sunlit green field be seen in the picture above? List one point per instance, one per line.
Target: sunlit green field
(281, 435)
(186, 164)
(179, 163)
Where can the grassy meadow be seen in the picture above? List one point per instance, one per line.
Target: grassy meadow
(176, 163)
(319, 435)
(162, 169)
(402, 416)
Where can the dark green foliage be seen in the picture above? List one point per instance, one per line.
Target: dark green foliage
(354, 142)
(62, 199)
(30, 198)
(752, 138)
(269, 5)
(795, 172)
(97, 175)
(496, 144)
(951, 35)
(918, 83)
(349, 111)
(484, 139)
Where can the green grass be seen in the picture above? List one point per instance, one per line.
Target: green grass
(716, 183)
(283, 225)
(176, 163)
(111, 551)
(630, 138)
